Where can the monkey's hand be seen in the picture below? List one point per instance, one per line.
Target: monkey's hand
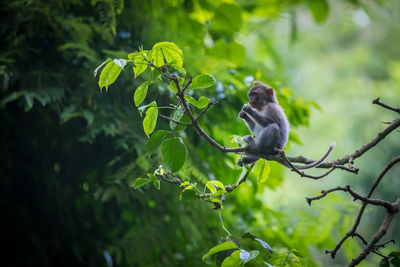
(242, 115)
(246, 108)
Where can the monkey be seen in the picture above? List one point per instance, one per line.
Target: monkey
(267, 121)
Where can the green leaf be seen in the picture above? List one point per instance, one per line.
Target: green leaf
(319, 10)
(201, 103)
(189, 194)
(152, 177)
(213, 185)
(264, 171)
(185, 183)
(101, 65)
(157, 184)
(176, 115)
(168, 50)
(384, 263)
(252, 256)
(150, 120)
(155, 140)
(218, 193)
(140, 60)
(220, 247)
(394, 258)
(139, 182)
(173, 152)
(233, 260)
(202, 81)
(120, 62)
(140, 93)
(109, 74)
(262, 242)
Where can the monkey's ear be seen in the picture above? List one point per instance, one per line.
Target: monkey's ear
(270, 91)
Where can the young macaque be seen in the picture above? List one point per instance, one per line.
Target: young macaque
(266, 120)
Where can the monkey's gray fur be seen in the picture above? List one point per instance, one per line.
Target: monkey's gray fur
(266, 120)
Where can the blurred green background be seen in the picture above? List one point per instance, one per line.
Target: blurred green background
(69, 153)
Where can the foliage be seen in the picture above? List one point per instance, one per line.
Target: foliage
(71, 155)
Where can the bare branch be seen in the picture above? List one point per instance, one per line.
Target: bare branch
(376, 202)
(377, 102)
(352, 231)
(376, 237)
(302, 174)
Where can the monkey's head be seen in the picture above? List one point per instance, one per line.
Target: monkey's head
(261, 94)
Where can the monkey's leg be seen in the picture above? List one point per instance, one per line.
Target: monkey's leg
(249, 139)
(249, 158)
(268, 140)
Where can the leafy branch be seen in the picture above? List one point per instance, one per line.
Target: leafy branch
(165, 60)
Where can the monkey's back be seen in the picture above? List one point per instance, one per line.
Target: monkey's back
(274, 112)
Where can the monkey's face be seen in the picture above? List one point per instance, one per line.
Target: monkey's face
(260, 95)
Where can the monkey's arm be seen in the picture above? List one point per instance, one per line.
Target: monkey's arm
(258, 118)
(249, 121)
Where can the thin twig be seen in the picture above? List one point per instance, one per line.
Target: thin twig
(212, 102)
(377, 202)
(173, 120)
(377, 102)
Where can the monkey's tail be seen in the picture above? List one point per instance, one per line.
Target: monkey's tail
(317, 162)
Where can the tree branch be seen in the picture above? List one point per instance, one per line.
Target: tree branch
(377, 102)
(376, 202)
(376, 237)
(177, 122)
(352, 231)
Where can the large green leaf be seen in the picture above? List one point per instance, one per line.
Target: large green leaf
(109, 74)
(220, 247)
(201, 103)
(233, 260)
(202, 81)
(150, 120)
(155, 141)
(173, 152)
(319, 10)
(172, 53)
(141, 92)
